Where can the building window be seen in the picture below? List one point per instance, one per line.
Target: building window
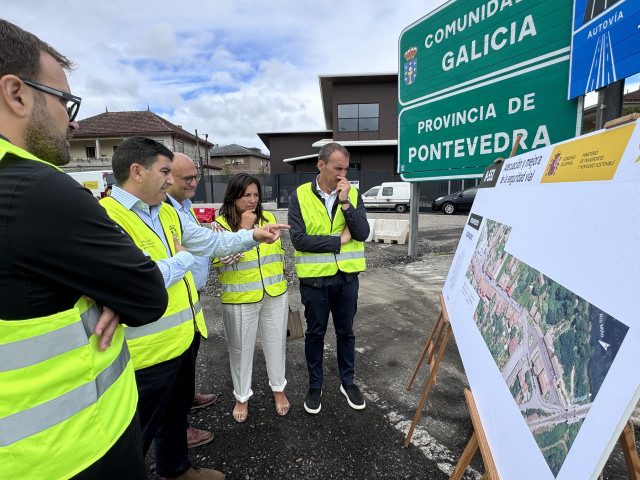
(358, 117)
(90, 151)
(180, 146)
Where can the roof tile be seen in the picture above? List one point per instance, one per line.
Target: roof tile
(129, 124)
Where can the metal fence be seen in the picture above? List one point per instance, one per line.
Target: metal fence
(277, 187)
(211, 188)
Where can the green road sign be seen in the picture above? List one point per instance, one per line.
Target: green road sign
(474, 75)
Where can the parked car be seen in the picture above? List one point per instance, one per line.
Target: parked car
(455, 202)
(389, 195)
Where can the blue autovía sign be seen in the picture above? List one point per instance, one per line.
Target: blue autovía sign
(605, 45)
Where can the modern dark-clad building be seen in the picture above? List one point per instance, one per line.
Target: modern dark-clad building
(360, 112)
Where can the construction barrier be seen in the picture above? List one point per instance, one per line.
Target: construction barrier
(389, 231)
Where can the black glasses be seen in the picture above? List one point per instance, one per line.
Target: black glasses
(189, 178)
(72, 110)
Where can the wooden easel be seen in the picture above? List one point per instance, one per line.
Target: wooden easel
(479, 440)
(628, 443)
(442, 326)
(435, 347)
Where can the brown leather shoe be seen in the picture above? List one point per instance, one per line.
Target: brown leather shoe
(201, 400)
(199, 474)
(196, 437)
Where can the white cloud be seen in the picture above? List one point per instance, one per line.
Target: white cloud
(156, 42)
(227, 68)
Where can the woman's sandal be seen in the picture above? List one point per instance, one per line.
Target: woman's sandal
(240, 415)
(282, 409)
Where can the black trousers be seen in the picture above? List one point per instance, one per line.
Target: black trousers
(124, 460)
(339, 296)
(165, 397)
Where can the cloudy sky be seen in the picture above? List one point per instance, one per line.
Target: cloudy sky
(227, 68)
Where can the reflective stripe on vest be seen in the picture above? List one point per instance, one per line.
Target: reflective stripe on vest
(48, 345)
(248, 287)
(173, 333)
(350, 259)
(329, 257)
(260, 270)
(165, 323)
(26, 423)
(63, 402)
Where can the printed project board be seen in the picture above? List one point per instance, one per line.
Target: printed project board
(544, 303)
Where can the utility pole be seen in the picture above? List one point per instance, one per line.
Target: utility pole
(198, 151)
(206, 151)
(609, 103)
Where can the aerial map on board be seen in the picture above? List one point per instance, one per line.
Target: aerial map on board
(552, 347)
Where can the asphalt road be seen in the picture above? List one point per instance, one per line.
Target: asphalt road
(398, 306)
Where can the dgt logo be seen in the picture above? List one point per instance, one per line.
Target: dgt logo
(488, 175)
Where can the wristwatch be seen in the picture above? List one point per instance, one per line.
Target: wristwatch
(343, 202)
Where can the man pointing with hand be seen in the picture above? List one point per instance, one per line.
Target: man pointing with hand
(164, 354)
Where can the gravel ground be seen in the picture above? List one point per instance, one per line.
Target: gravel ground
(437, 234)
(397, 307)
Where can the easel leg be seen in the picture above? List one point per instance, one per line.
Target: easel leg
(426, 350)
(465, 458)
(478, 441)
(628, 444)
(430, 382)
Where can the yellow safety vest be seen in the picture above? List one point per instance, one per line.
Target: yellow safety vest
(260, 269)
(63, 402)
(317, 222)
(171, 335)
(193, 214)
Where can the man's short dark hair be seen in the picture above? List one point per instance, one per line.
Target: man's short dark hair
(20, 52)
(141, 150)
(327, 150)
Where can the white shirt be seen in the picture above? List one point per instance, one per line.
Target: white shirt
(329, 199)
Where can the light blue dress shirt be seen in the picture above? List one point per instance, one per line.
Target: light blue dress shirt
(197, 240)
(200, 269)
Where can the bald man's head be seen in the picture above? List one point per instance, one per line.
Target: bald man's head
(185, 178)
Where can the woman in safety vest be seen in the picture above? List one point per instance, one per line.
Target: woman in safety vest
(254, 296)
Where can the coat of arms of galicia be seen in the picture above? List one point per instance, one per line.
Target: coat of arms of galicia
(410, 66)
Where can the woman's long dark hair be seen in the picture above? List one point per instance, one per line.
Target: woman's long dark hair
(236, 188)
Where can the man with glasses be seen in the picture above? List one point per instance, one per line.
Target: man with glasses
(67, 276)
(72, 102)
(179, 195)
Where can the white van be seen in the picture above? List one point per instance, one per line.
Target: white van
(389, 195)
(98, 181)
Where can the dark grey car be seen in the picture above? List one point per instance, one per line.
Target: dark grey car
(455, 202)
